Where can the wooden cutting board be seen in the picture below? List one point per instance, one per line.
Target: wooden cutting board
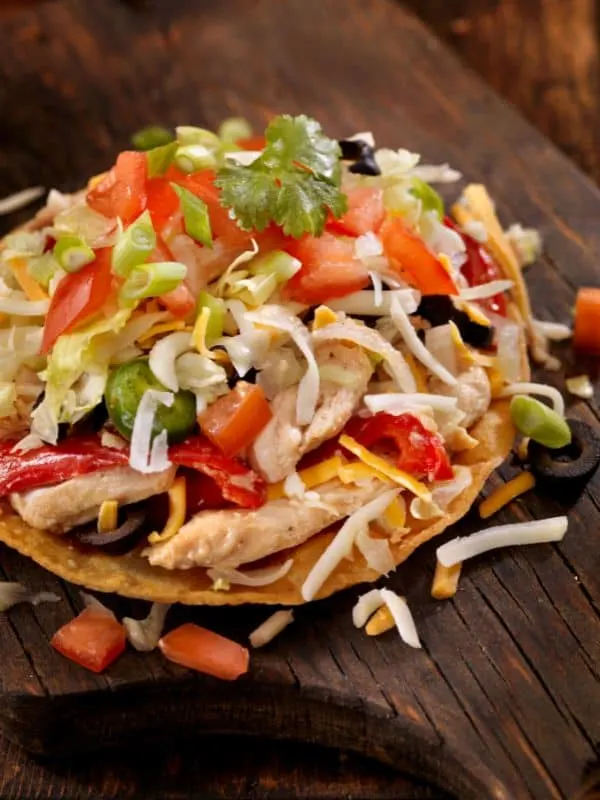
(503, 701)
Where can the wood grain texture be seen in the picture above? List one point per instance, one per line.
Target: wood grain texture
(507, 683)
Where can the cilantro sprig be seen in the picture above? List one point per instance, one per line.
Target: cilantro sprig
(295, 182)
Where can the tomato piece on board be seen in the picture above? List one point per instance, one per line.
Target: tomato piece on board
(234, 421)
(78, 296)
(329, 269)
(94, 639)
(412, 260)
(252, 143)
(365, 212)
(421, 453)
(122, 193)
(586, 336)
(200, 649)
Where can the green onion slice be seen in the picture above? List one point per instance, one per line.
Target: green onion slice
(188, 135)
(216, 306)
(233, 129)
(152, 280)
(134, 245)
(539, 422)
(278, 263)
(160, 159)
(430, 199)
(72, 253)
(194, 157)
(150, 137)
(195, 216)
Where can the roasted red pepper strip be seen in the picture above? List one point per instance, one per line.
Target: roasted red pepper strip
(421, 453)
(53, 464)
(480, 268)
(238, 483)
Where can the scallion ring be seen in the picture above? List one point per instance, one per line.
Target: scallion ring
(150, 137)
(152, 280)
(134, 245)
(160, 159)
(233, 129)
(72, 253)
(194, 157)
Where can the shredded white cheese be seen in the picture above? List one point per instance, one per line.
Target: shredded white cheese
(395, 403)
(255, 577)
(367, 303)
(270, 628)
(341, 545)
(143, 456)
(400, 611)
(537, 531)
(143, 634)
(581, 386)
(165, 353)
(541, 389)
(485, 290)
(416, 346)
(553, 331)
(366, 605)
(11, 594)
(19, 200)
(376, 552)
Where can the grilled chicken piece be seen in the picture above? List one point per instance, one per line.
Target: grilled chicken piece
(281, 444)
(63, 506)
(472, 391)
(230, 538)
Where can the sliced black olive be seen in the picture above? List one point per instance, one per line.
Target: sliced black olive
(363, 155)
(90, 534)
(438, 309)
(575, 462)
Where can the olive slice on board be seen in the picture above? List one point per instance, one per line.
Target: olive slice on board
(575, 462)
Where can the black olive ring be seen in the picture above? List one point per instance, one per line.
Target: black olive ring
(575, 462)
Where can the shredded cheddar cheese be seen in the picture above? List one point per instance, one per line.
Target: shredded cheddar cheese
(199, 333)
(496, 380)
(418, 372)
(162, 327)
(358, 471)
(475, 314)
(96, 179)
(446, 264)
(323, 316)
(504, 494)
(177, 507)
(445, 581)
(395, 513)
(380, 622)
(108, 516)
(31, 288)
(310, 477)
(396, 475)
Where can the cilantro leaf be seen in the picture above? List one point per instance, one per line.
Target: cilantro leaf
(295, 182)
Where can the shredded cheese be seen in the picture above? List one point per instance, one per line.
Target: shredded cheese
(177, 508)
(475, 314)
(107, 516)
(496, 380)
(381, 622)
(199, 332)
(506, 494)
(96, 179)
(31, 288)
(381, 465)
(402, 617)
(542, 389)
(358, 471)
(462, 548)
(341, 545)
(162, 327)
(270, 628)
(581, 386)
(365, 606)
(310, 477)
(418, 371)
(323, 316)
(445, 581)
(395, 513)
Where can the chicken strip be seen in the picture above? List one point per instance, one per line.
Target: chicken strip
(230, 538)
(472, 391)
(65, 505)
(281, 444)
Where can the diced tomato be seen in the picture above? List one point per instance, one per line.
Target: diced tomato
(586, 336)
(200, 649)
(76, 455)
(77, 297)
(180, 301)
(202, 492)
(122, 193)
(252, 143)
(94, 639)
(410, 257)
(479, 268)
(365, 212)
(421, 453)
(234, 421)
(329, 269)
(162, 202)
(238, 483)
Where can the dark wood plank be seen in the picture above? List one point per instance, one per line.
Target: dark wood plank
(507, 684)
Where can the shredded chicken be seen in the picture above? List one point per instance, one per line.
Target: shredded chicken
(472, 391)
(65, 505)
(231, 538)
(282, 443)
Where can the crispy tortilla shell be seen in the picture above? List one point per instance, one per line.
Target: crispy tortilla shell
(132, 576)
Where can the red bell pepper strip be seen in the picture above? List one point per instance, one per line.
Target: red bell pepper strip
(480, 268)
(412, 260)
(238, 483)
(93, 640)
(55, 463)
(421, 453)
(77, 297)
